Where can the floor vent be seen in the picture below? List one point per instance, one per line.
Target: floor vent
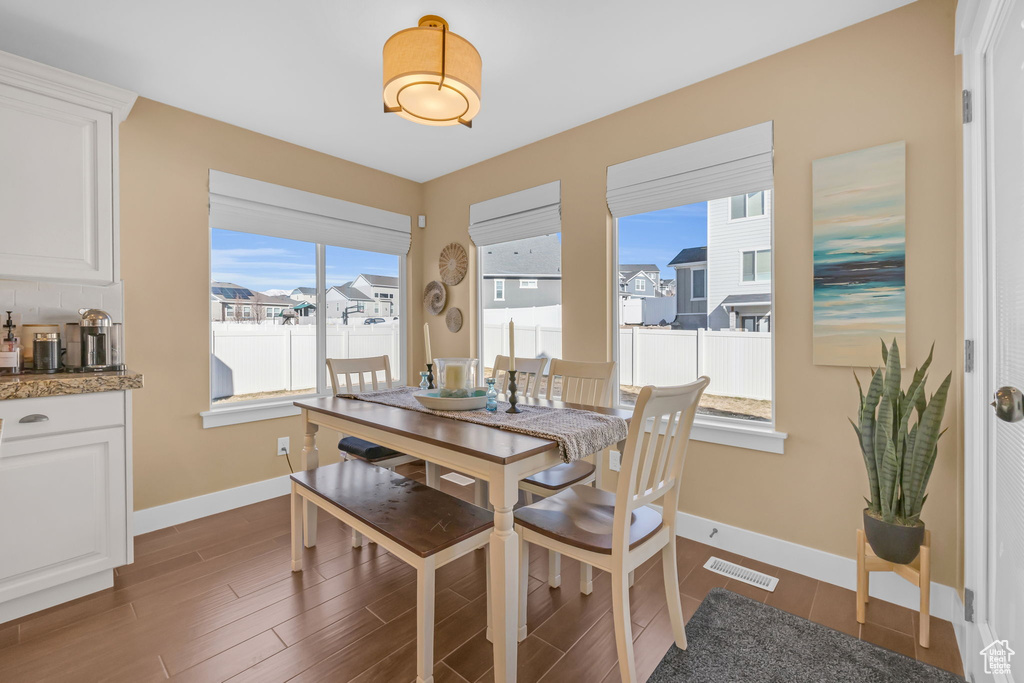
(735, 571)
(460, 479)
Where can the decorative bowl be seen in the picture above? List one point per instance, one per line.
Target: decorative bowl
(432, 399)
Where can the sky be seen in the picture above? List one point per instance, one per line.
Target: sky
(656, 237)
(264, 263)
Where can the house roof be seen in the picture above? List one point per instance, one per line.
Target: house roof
(690, 255)
(229, 291)
(351, 293)
(380, 280)
(747, 300)
(309, 291)
(628, 271)
(531, 256)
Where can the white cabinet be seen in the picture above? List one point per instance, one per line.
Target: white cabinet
(58, 174)
(65, 499)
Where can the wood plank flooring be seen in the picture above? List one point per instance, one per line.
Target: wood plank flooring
(215, 600)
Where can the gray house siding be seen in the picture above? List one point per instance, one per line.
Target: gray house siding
(727, 240)
(547, 293)
(650, 287)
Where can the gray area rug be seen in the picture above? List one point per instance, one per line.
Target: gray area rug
(733, 638)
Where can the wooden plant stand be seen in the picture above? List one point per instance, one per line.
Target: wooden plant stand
(918, 572)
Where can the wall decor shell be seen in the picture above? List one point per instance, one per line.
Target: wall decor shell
(453, 319)
(453, 264)
(434, 297)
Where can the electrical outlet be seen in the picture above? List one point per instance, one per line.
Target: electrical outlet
(615, 461)
(282, 446)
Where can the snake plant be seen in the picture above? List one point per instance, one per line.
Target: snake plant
(899, 457)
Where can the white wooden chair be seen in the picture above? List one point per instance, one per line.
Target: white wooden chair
(359, 375)
(589, 384)
(529, 372)
(618, 532)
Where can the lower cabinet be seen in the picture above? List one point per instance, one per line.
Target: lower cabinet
(63, 511)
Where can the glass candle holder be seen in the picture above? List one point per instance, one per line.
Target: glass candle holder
(455, 376)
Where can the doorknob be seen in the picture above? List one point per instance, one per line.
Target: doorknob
(1009, 404)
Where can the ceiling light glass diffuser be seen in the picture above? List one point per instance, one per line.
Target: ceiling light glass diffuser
(431, 75)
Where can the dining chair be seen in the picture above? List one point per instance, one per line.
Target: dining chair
(617, 532)
(529, 372)
(571, 382)
(358, 375)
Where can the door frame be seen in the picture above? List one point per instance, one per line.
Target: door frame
(977, 24)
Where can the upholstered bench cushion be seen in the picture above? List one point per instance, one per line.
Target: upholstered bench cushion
(366, 450)
(413, 515)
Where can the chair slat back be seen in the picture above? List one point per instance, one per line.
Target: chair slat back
(528, 375)
(652, 462)
(581, 382)
(354, 375)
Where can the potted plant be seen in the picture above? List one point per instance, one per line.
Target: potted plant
(898, 456)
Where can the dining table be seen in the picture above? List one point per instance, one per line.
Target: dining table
(498, 457)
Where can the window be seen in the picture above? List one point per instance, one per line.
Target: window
(229, 310)
(640, 284)
(698, 284)
(748, 205)
(499, 290)
(757, 265)
(306, 251)
(527, 284)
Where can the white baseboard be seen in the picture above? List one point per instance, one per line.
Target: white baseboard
(817, 564)
(182, 511)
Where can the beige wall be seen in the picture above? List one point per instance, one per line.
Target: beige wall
(166, 155)
(887, 79)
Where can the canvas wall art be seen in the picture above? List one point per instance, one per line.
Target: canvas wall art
(859, 255)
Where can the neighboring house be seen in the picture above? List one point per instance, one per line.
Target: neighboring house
(383, 290)
(667, 288)
(692, 288)
(347, 301)
(639, 280)
(739, 262)
(307, 294)
(232, 302)
(523, 274)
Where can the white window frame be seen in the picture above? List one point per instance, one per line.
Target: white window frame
(693, 271)
(224, 415)
(757, 436)
(755, 252)
(639, 284)
(746, 208)
(496, 287)
(528, 283)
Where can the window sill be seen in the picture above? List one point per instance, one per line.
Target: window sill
(251, 412)
(739, 434)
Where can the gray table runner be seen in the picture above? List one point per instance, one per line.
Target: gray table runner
(577, 432)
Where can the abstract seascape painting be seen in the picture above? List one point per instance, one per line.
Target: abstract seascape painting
(859, 255)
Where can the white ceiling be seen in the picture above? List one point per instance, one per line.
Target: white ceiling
(309, 71)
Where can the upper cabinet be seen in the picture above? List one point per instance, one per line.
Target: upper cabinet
(58, 174)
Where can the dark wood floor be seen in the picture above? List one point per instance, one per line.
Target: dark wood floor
(214, 600)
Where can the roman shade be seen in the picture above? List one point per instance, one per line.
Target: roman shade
(723, 166)
(529, 213)
(246, 205)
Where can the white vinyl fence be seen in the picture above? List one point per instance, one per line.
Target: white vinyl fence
(738, 363)
(250, 358)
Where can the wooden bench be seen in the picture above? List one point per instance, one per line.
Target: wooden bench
(420, 525)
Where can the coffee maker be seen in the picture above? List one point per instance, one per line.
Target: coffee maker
(100, 341)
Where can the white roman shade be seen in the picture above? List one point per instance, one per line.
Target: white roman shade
(247, 205)
(722, 166)
(529, 213)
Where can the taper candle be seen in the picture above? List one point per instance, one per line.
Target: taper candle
(426, 341)
(511, 345)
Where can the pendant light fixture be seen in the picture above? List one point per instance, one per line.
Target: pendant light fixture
(431, 75)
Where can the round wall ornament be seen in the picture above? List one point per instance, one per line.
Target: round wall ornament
(453, 319)
(453, 264)
(434, 297)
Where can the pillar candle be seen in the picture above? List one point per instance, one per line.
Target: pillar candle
(426, 341)
(511, 345)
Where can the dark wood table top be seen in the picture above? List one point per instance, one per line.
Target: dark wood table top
(479, 441)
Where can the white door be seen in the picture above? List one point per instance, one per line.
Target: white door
(1005, 591)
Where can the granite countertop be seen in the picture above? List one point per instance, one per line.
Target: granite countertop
(64, 383)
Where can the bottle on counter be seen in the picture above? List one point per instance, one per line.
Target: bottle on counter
(10, 351)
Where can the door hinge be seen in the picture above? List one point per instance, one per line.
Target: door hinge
(968, 355)
(968, 605)
(968, 110)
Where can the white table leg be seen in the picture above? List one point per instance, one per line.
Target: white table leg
(310, 461)
(599, 460)
(504, 549)
(433, 475)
